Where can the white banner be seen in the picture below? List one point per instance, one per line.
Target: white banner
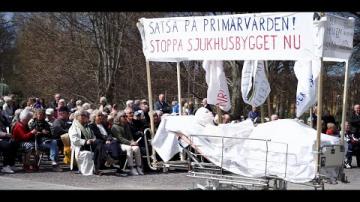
(257, 36)
(218, 92)
(306, 73)
(254, 84)
(338, 37)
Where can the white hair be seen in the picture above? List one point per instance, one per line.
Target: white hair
(7, 99)
(103, 99)
(204, 117)
(129, 102)
(78, 102)
(86, 106)
(49, 111)
(25, 114)
(94, 114)
(80, 112)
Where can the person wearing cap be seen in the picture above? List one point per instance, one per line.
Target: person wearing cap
(50, 118)
(61, 125)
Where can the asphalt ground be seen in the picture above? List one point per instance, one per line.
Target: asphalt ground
(46, 179)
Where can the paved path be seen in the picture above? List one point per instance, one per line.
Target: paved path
(173, 180)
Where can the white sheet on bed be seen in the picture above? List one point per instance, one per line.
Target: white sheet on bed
(244, 156)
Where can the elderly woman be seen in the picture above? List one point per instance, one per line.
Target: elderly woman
(8, 108)
(45, 139)
(24, 138)
(122, 133)
(82, 139)
(108, 148)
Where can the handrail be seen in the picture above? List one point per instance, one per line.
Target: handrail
(147, 149)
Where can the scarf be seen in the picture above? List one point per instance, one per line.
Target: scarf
(86, 131)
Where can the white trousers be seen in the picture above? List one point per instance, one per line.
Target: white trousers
(130, 150)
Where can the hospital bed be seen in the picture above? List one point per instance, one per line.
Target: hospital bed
(214, 169)
(217, 178)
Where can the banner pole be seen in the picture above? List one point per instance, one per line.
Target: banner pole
(179, 87)
(151, 107)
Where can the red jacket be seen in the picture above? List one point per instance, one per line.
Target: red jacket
(21, 132)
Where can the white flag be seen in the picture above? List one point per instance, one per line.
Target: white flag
(218, 92)
(254, 84)
(306, 73)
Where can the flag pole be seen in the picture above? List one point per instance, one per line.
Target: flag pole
(262, 113)
(268, 98)
(319, 115)
(344, 107)
(219, 113)
(311, 117)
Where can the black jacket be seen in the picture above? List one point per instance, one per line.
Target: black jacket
(164, 107)
(40, 126)
(98, 134)
(59, 127)
(355, 124)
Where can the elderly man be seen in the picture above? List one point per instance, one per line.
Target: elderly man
(205, 104)
(355, 130)
(274, 117)
(61, 125)
(162, 105)
(127, 143)
(50, 118)
(55, 102)
(132, 145)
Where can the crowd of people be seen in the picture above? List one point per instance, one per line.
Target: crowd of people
(103, 135)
